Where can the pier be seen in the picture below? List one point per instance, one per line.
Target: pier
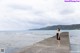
(49, 45)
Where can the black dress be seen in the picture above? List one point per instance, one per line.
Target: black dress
(57, 36)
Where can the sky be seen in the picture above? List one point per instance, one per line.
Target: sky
(30, 14)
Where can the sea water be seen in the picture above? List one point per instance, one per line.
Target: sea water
(12, 41)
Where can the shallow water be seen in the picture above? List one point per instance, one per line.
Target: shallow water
(75, 41)
(12, 41)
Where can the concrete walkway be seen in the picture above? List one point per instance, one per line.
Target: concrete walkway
(50, 45)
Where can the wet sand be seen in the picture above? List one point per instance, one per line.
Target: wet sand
(49, 45)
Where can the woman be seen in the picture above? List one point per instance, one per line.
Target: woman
(58, 36)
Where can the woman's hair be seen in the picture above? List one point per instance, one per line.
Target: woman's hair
(58, 29)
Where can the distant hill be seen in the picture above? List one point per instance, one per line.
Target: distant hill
(63, 27)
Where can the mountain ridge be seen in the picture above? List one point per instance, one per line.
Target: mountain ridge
(63, 27)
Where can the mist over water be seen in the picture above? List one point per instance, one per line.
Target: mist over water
(12, 41)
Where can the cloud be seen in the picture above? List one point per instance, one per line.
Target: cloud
(27, 14)
(66, 11)
(20, 7)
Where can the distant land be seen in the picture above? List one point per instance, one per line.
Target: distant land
(62, 27)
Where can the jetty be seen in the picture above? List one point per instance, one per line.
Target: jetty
(49, 45)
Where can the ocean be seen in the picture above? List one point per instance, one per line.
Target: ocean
(12, 41)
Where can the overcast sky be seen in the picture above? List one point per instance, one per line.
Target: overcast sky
(28, 14)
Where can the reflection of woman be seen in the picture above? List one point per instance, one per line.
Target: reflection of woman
(58, 36)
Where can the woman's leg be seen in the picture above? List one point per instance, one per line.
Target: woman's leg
(58, 41)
